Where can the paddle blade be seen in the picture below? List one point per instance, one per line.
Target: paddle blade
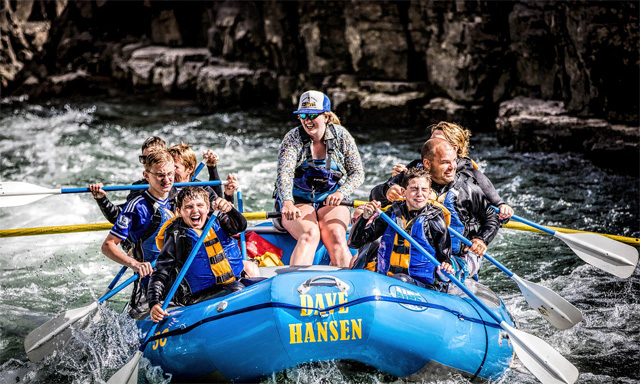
(553, 307)
(16, 201)
(56, 333)
(541, 359)
(611, 256)
(129, 373)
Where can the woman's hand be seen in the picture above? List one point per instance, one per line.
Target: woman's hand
(157, 314)
(96, 190)
(334, 199)
(505, 211)
(398, 169)
(290, 211)
(222, 205)
(370, 209)
(212, 158)
(232, 185)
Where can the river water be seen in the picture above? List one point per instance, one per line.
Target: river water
(67, 143)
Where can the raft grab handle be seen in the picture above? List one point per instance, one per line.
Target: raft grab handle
(314, 281)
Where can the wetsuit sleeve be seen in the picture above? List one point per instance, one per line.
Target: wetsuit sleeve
(213, 176)
(352, 164)
(379, 192)
(290, 149)
(362, 233)
(109, 210)
(488, 218)
(232, 222)
(135, 192)
(439, 237)
(161, 273)
(487, 187)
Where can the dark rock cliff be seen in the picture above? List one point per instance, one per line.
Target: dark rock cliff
(484, 64)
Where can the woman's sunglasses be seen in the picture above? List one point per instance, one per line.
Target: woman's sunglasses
(310, 116)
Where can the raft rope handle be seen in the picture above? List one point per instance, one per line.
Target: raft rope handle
(459, 315)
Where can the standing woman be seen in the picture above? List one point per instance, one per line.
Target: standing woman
(318, 167)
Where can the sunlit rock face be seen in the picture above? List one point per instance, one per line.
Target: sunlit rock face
(384, 63)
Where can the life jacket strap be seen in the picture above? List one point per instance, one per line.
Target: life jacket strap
(211, 242)
(215, 259)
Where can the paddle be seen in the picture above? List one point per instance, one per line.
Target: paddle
(547, 364)
(129, 373)
(55, 333)
(555, 309)
(602, 252)
(198, 169)
(243, 238)
(13, 194)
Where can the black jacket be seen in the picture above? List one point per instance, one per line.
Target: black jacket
(379, 192)
(174, 253)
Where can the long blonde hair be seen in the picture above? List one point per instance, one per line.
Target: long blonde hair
(455, 135)
(333, 118)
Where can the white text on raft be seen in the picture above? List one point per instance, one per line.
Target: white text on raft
(321, 331)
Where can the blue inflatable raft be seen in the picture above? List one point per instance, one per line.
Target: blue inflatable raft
(324, 313)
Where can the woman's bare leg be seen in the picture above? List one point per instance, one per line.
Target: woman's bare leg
(305, 230)
(333, 223)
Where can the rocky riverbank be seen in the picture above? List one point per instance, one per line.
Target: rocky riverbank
(549, 76)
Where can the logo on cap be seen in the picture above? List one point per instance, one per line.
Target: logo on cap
(308, 102)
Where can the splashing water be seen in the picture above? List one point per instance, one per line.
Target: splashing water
(69, 144)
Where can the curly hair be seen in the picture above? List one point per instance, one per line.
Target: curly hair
(454, 134)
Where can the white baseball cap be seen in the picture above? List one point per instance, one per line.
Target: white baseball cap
(313, 102)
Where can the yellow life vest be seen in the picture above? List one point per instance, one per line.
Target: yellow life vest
(218, 261)
(399, 260)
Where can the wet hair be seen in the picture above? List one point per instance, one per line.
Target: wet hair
(153, 141)
(157, 156)
(429, 148)
(415, 173)
(455, 135)
(185, 153)
(192, 193)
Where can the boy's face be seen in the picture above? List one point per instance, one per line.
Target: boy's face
(160, 178)
(194, 212)
(417, 193)
(183, 174)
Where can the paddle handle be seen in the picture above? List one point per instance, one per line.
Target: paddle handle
(183, 272)
(198, 169)
(528, 222)
(243, 239)
(122, 286)
(457, 282)
(141, 186)
(486, 255)
(117, 278)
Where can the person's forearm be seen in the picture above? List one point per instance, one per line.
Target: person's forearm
(112, 251)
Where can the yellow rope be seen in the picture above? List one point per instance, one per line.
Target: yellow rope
(251, 216)
(523, 227)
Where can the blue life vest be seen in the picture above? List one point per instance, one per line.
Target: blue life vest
(449, 202)
(150, 250)
(218, 261)
(396, 255)
(314, 180)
